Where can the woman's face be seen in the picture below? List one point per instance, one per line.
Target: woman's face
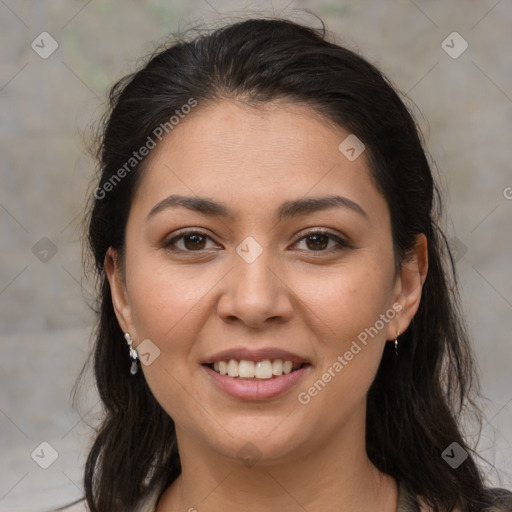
(260, 279)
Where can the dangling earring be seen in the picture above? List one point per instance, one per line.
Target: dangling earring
(133, 354)
(396, 343)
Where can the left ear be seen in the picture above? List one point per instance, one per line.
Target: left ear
(409, 285)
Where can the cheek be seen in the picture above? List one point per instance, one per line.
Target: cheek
(345, 301)
(166, 300)
(350, 352)
(348, 312)
(169, 307)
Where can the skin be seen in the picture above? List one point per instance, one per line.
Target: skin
(294, 296)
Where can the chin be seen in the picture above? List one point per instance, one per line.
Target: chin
(265, 444)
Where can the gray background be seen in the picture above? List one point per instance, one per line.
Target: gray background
(463, 104)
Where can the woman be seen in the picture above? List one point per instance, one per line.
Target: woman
(278, 326)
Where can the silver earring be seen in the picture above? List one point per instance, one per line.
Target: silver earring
(133, 354)
(396, 343)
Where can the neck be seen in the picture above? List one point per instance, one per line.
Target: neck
(332, 476)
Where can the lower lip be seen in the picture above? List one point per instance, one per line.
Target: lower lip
(256, 389)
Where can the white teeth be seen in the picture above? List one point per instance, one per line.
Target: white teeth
(260, 370)
(246, 369)
(277, 367)
(264, 369)
(233, 368)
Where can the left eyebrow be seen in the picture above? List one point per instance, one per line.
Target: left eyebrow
(287, 210)
(290, 209)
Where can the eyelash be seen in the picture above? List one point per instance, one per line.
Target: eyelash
(342, 244)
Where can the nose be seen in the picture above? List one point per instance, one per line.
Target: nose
(256, 292)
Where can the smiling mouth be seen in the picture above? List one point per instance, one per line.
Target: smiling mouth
(255, 370)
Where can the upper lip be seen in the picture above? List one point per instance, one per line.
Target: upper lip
(246, 354)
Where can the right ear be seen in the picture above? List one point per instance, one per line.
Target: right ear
(120, 298)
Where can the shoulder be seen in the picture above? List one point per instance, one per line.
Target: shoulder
(501, 500)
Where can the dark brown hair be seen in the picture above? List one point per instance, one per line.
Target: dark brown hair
(415, 401)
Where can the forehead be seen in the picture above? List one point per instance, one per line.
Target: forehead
(255, 157)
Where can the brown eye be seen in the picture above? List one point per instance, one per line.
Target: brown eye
(193, 241)
(196, 241)
(318, 241)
